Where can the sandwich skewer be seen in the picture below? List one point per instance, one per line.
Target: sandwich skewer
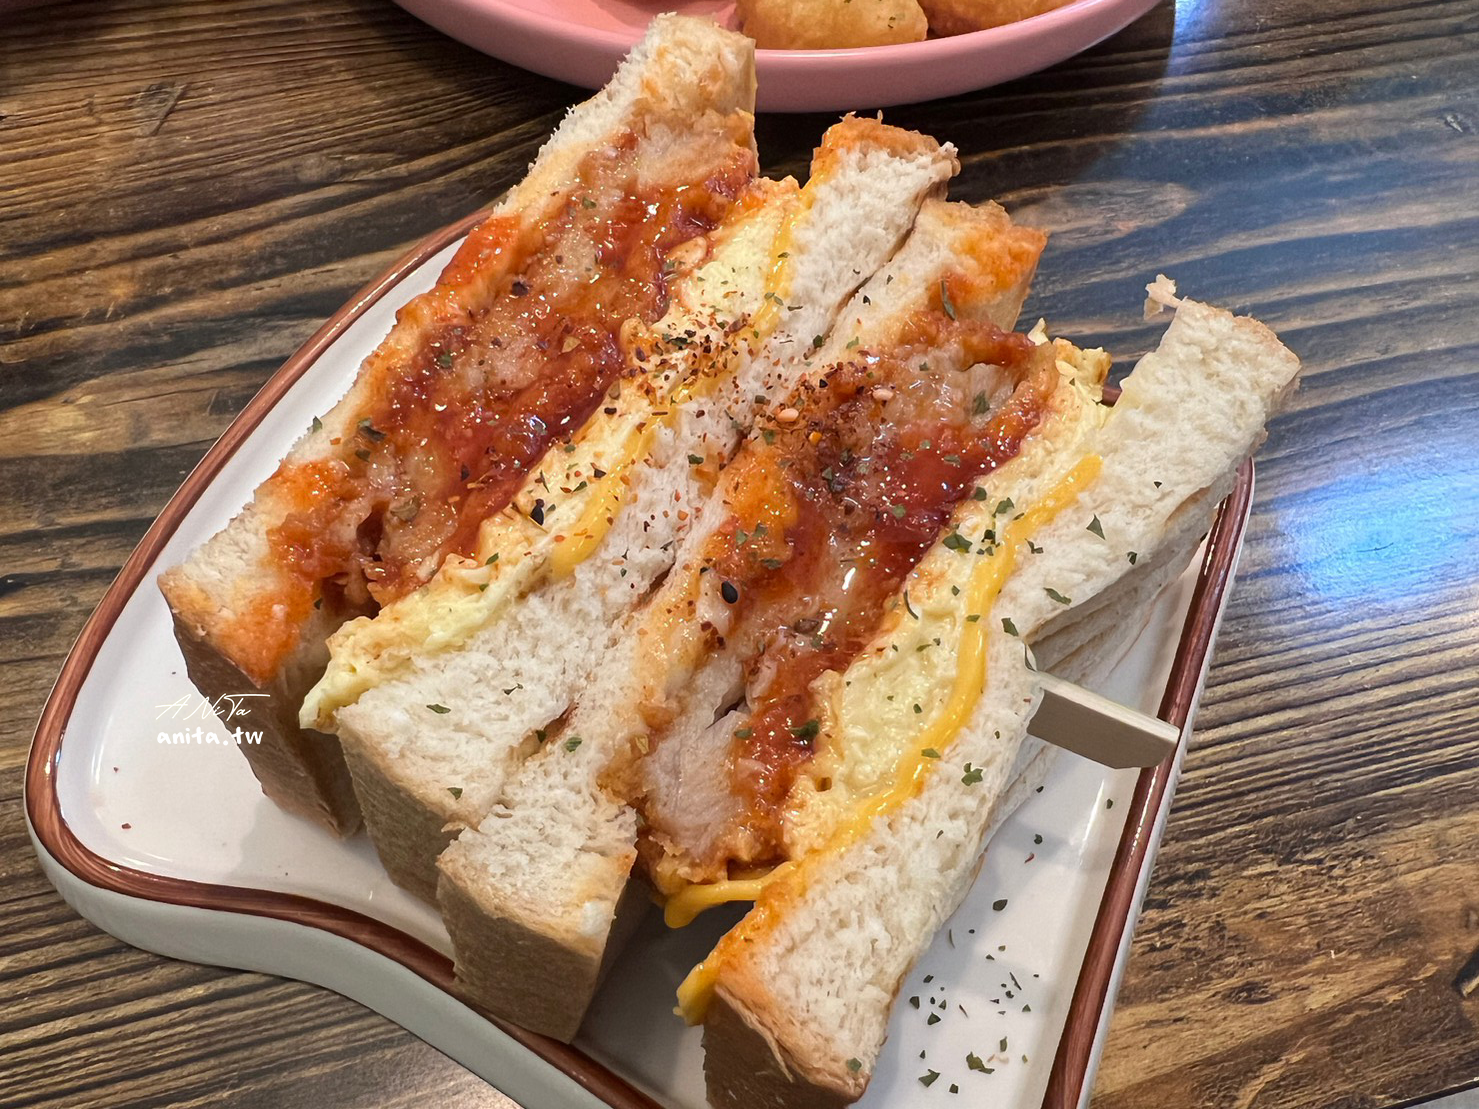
(1088, 724)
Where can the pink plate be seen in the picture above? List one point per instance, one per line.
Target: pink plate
(581, 41)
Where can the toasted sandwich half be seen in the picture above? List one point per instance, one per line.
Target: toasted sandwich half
(441, 695)
(516, 344)
(921, 737)
(534, 894)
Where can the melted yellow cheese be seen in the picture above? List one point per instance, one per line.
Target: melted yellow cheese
(778, 280)
(680, 909)
(696, 991)
(909, 772)
(603, 503)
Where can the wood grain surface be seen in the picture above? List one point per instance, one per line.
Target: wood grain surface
(187, 189)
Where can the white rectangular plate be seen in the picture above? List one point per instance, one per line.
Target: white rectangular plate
(163, 838)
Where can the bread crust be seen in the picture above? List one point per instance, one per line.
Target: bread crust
(299, 769)
(746, 1067)
(408, 831)
(496, 952)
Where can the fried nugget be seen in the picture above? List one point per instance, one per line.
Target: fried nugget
(956, 17)
(831, 24)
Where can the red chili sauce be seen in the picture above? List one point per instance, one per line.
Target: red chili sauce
(453, 431)
(836, 508)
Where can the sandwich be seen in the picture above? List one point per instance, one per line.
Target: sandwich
(704, 538)
(795, 999)
(547, 868)
(824, 708)
(516, 345)
(443, 693)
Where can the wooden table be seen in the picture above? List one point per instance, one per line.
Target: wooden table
(187, 189)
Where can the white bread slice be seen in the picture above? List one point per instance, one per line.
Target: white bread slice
(512, 674)
(1079, 645)
(547, 869)
(803, 986)
(243, 620)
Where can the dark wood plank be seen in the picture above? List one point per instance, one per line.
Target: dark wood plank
(189, 189)
(90, 1021)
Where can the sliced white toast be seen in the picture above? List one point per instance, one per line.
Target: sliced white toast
(547, 869)
(802, 988)
(505, 642)
(352, 518)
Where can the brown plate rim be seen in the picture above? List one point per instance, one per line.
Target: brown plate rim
(43, 804)
(1075, 1055)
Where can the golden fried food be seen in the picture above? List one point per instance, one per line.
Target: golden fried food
(956, 17)
(831, 24)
